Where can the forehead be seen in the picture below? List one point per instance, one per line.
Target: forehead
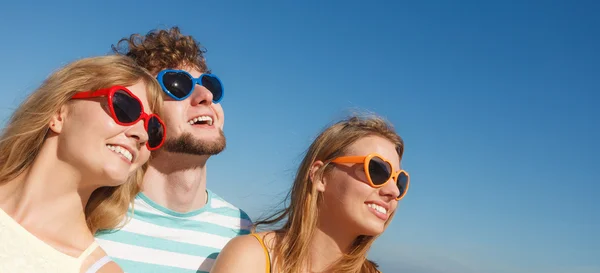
(192, 70)
(375, 144)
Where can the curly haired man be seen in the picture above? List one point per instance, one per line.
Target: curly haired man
(178, 225)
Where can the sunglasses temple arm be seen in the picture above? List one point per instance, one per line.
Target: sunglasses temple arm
(90, 94)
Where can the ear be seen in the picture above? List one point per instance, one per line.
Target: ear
(58, 120)
(316, 177)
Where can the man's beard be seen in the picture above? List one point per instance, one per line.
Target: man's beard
(187, 144)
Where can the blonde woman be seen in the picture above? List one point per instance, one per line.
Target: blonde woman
(345, 194)
(70, 160)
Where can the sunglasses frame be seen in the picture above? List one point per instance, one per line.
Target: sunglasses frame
(365, 160)
(195, 81)
(109, 93)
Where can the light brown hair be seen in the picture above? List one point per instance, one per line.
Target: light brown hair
(291, 247)
(26, 131)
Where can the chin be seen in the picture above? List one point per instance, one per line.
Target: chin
(114, 181)
(373, 229)
(114, 177)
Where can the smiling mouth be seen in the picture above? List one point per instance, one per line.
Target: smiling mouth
(201, 120)
(126, 154)
(378, 208)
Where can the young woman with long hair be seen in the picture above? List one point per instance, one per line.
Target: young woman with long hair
(345, 194)
(70, 159)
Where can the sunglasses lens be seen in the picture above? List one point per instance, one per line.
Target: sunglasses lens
(213, 84)
(402, 183)
(127, 109)
(179, 84)
(155, 132)
(379, 171)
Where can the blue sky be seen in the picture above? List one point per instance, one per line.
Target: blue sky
(497, 103)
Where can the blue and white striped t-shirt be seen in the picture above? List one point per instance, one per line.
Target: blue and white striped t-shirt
(157, 239)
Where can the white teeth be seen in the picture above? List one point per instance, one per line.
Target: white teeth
(377, 208)
(208, 120)
(120, 150)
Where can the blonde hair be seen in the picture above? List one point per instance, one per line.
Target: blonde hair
(291, 248)
(26, 131)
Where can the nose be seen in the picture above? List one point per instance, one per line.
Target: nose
(201, 95)
(390, 189)
(138, 133)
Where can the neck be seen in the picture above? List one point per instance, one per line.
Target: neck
(177, 181)
(328, 245)
(46, 199)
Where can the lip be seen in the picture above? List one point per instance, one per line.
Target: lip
(379, 215)
(382, 204)
(128, 148)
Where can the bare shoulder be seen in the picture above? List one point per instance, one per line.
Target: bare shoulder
(268, 238)
(110, 267)
(242, 254)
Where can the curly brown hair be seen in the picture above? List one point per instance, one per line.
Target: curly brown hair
(161, 49)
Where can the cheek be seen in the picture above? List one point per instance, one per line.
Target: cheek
(94, 116)
(144, 155)
(394, 206)
(220, 114)
(360, 175)
(347, 190)
(86, 125)
(172, 114)
(104, 127)
(82, 134)
(334, 191)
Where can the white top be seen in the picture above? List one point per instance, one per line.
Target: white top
(21, 251)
